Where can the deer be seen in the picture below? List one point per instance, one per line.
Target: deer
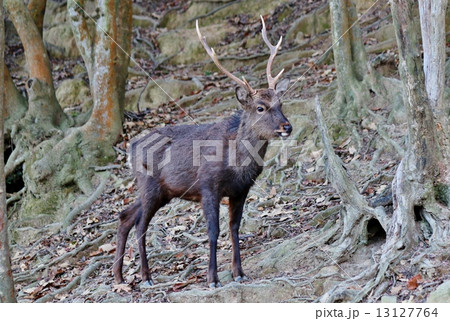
(242, 140)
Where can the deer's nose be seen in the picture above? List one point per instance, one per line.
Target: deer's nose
(287, 128)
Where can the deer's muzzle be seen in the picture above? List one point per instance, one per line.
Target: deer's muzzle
(285, 130)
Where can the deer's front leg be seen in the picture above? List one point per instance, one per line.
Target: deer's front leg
(210, 204)
(236, 207)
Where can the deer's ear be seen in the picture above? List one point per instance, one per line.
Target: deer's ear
(282, 86)
(243, 96)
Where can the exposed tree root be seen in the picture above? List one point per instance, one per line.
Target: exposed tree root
(77, 210)
(78, 280)
(33, 274)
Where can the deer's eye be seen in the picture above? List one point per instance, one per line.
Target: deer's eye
(260, 109)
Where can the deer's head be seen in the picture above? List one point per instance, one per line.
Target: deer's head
(262, 106)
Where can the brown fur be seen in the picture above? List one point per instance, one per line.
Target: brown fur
(207, 183)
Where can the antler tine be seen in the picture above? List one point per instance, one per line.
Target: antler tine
(243, 83)
(273, 52)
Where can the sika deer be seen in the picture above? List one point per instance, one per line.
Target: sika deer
(232, 151)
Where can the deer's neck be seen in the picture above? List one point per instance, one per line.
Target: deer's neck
(250, 149)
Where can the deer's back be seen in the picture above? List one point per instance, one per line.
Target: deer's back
(176, 169)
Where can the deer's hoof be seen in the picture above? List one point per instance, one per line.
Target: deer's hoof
(215, 285)
(240, 278)
(147, 284)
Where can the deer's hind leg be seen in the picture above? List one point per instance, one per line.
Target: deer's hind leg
(127, 219)
(152, 199)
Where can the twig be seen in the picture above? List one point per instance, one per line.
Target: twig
(120, 151)
(106, 168)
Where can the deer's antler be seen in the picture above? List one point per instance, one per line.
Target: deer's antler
(243, 83)
(273, 52)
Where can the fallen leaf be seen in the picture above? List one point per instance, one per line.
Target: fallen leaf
(381, 189)
(413, 282)
(107, 248)
(273, 192)
(122, 288)
(396, 289)
(345, 142)
(320, 199)
(30, 290)
(95, 253)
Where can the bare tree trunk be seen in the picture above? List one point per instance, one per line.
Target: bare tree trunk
(55, 157)
(107, 63)
(37, 11)
(432, 18)
(413, 186)
(7, 292)
(43, 107)
(15, 104)
(421, 212)
(355, 76)
(420, 188)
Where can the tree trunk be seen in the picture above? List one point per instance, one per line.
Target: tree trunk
(432, 18)
(421, 185)
(15, 104)
(57, 159)
(113, 58)
(420, 188)
(7, 292)
(423, 164)
(44, 109)
(355, 76)
(37, 11)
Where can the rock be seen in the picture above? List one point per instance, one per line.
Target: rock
(60, 42)
(252, 8)
(441, 294)
(55, 14)
(278, 290)
(388, 299)
(363, 5)
(185, 46)
(384, 33)
(310, 24)
(72, 92)
(78, 69)
(157, 94)
(225, 276)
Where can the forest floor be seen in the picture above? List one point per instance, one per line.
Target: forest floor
(287, 201)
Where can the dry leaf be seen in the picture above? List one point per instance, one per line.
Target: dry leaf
(273, 192)
(122, 287)
(320, 199)
(30, 290)
(345, 142)
(95, 253)
(413, 282)
(396, 289)
(107, 248)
